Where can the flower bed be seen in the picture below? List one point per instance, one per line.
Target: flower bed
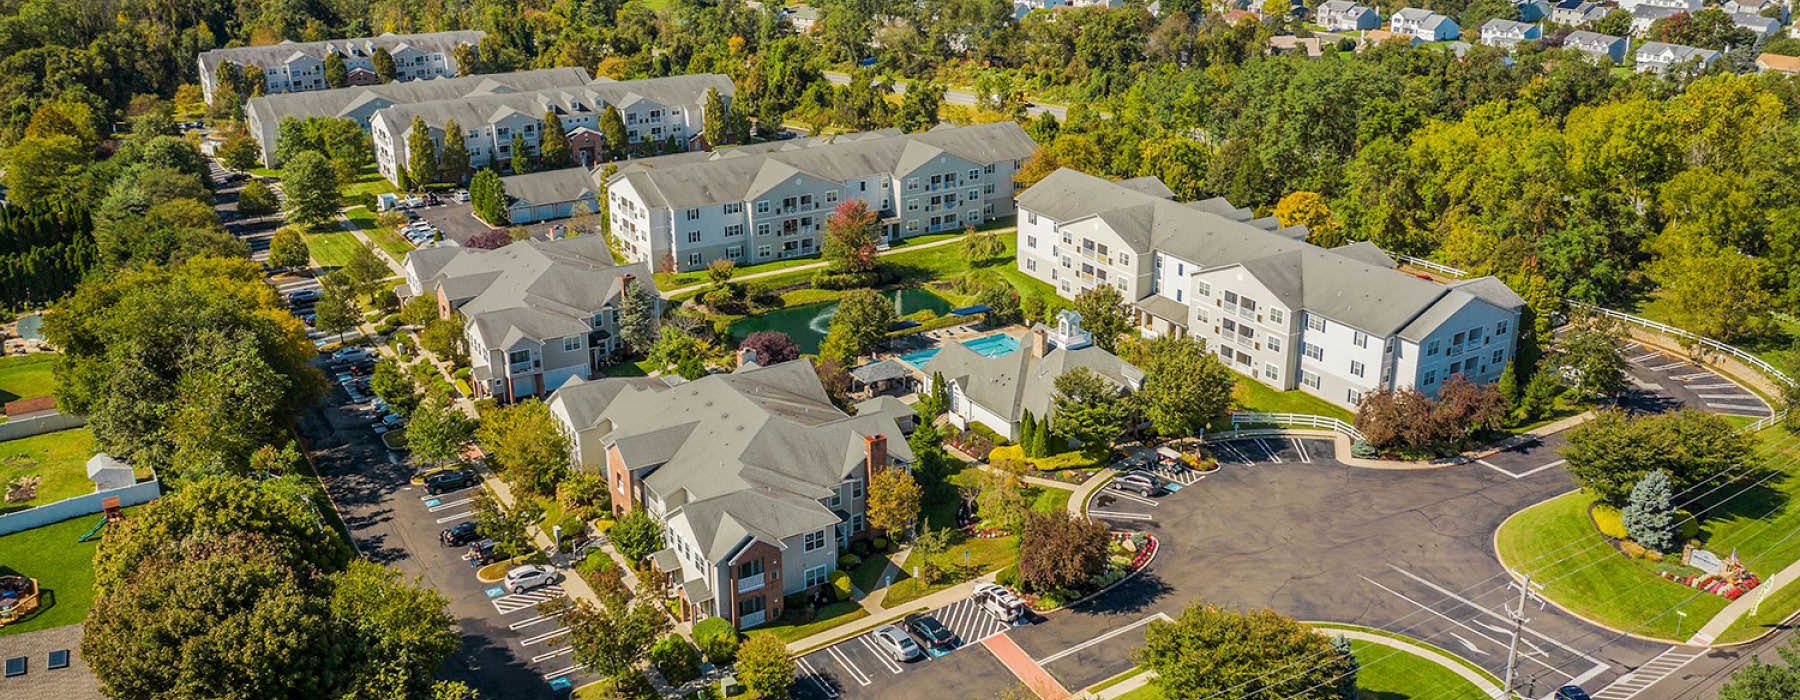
(1716, 584)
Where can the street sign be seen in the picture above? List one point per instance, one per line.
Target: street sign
(1706, 561)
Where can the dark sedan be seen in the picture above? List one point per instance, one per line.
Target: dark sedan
(931, 632)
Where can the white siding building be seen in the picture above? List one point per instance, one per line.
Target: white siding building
(300, 67)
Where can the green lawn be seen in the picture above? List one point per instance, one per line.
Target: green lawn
(628, 369)
(59, 461)
(1387, 674)
(789, 628)
(1252, 395)
(966, 557)
(675, 280)
(331, 249)
(26, 376)
(370, 182)
(63, 567)
(1779, 347)
(386, 238)
(1048, 500)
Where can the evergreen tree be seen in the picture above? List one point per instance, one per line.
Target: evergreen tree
(612, 126)
(336, 75)
(714, 118)
(1028, 433)
(521, 155)
(421, 153)
(384, 65)
(553, 144)
(453, 159)
(1650, 515)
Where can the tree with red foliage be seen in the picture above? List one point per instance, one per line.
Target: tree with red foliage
(851, 237)
(489, 239)
(771, 347)
(1060, 550)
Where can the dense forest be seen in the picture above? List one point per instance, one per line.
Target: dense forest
(1566, 177)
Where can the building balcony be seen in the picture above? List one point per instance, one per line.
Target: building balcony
(749, 583)
(523, 367)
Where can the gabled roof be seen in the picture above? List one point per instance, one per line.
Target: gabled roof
(528, 289)
(682, 91)
(550, 186)
(271, 109)
(1018, 381)
(273, 54)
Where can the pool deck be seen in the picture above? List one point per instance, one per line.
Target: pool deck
(955, 334)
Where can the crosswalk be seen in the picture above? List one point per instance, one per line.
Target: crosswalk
(1649, 674)
(514, 602)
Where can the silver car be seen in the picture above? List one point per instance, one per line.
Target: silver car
(896, 643)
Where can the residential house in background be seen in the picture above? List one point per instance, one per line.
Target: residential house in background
(1600, 46)
(300, 67)
(1379, 36)
(658, 113)
(1658, 57)
(1532, 10)
(997, 389)
(1777, 63)
(1762, 27)
(1643, 16)
(1423, 24)
(1683, 5)
(755, 204)
(263, 115)
(536, 314)
(1577, 13)
(760, 481)
(1336, 323)
(550, 194)
(1506, 33)
(1284, 44)
(1346, 16)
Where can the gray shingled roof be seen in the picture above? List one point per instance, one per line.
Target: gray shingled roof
(1017, 382)
(687, 91)
(275, 54)
(550, 186)
(528, 289)
(737, 174)
(271, 109)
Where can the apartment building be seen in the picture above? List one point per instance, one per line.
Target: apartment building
(1336, 323)
(1600, 46)
(263, 115)
(300, 66)
(760, 481)
(1577, 13)
(998, 389)
(536, 314)
(769, 202)
(1658, 57)
(656, 111)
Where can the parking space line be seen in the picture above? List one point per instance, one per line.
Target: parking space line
(1722, 396)
(812, 673)
(449, 505)
(880, 655)
(546, 656)
(553, 675)
(1668, 367)
(1720, 385)
(1115, 515)
(432, 496)
(1646, 356)
(1132, 497)
(453, 518)
(527, 622)
(1551, 465)
(1234, 451)
(1690, 377)
(1300, 446)
(1053, 658)
(1274, 455)
(856, 673)
(547, 636)
(1495, 467)
(1728, 407)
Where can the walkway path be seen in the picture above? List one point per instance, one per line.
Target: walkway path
(670, 293)
(1743, 606)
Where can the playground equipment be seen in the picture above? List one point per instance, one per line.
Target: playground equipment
(18, 598)
(112, 513)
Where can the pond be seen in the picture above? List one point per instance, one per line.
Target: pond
(807, 324)
(31, 327)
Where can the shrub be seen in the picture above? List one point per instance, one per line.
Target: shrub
(1690, 526)
(1632, 549)
(1008, 577)
(840, 585)
(596, 562)
(988, 433)
(461, 373)
(861, 548)
(825, 279)
(1006, 453)
(1364, 450)
(717, 640)
(879, 543)
(718, 298)
(1609, 520)
(387, 325)
(678, 661)
(849, 561)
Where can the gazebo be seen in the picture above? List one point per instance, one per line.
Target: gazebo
(878, 377)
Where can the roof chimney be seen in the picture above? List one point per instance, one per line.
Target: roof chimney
(1040, 343)
(875, 447)
(747, 356)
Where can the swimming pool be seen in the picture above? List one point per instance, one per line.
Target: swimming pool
(997, 345)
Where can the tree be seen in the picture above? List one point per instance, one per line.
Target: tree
(851, 237)
(1211, 651)
(553, 143)
(335, 311)
(391, 385)
(637, 316)
(419, 310)
(1060, 550)
(771, 347)
(1185, 387)
(336, 75)
(468, 62)
(1102, 310)
(612, 126)
(1001, 495)
(437, 432)
(311, 187)
(611, 640)
(713, 117)
(637, 535)
(1790, 403)
(721, 271)
(487, 195)
(526, 445)
(1003, 304)
(1766, 681)
(1089, 408)
(1650, 514)
(894, 500)
(444, 337)
(765, 665)
(44, 170)
(862, 320)
(509, 529)
(287, 249)
(980, 247)
(919, 107)
(1310, 210)
(1591, 352)
(400, 631)
(256, 199)
(1610, 454)
(421, 153)
(365, 270)
(384, 64)
(491, 239)
(240, 151)
(453, 158)
(681, 352)
(186, 369)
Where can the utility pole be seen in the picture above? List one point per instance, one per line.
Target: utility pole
(1518, 618)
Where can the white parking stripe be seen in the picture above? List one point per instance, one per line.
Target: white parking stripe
(812, 672)
(1132, 497)
(547, 636)
(1720, 385)
(454, 518)
(1273, 454)
(553, 675)
(1669, 366)
(546, 656)
(1723, 396)
(1234, 451)
(1551, 465)
(1645, 356)
(1690, 377)
(1102, 638)
(1728, 407)
(856, 673)
(527, 622)
(1114, 515)
(447, 505)
(1300, 446)
(879, 654)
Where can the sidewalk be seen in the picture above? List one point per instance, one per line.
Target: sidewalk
(1741, 607)
(668, 293)
(572, 583)
(936, 600)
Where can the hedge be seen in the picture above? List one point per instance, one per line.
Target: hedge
(840, 585)
(678, 661)
(716, 639)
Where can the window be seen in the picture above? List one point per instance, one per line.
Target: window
(1124, 258)
(1431, 348)
(815, 541)
(1455, 368)
(750, 568)
(1474, 335)
(1357, 368)
(734, 207)
(572, 343)
(1031, 241)
(1316, 323)
(1177, 294)
(1031, 264)
(735, 252)
(762, 251)
(1353, 396)
(1309, 379)
(750, 606)
(1500, 328)
(857, 489)
(1361, 339)
(1031, 217)
(817, 576)
(912, 225)
(762, 206)
(857, 524)
(1315, 352)
(912, 184)
(1270, 371)
(1499, 355)
(518, 356)
(989, 168)
(837, 499)
(693, 214)
(1274, 343)
(1457, 339)
(1276, 316)
(974, 173)
(830, 196)
(762, 229)
(693, 259)
(734, 230)
(693, 236)
(1430, 378)
(1203, 289)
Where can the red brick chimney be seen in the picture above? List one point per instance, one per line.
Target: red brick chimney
(875, 447)
(1040, 343)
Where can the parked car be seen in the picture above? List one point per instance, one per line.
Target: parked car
(482, 553)
(449, 480)
(896, 644)
(930, 632)
(1571, 692)
(530, 577)
(462, 195)
(996, 600)
(1139, 483)
(354, 353)
(393, 420)
(304, 296)
(460, 534)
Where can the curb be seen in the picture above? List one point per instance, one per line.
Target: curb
(1410, 645)
(1127, 577)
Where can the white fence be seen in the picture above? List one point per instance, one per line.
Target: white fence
(76, 506)
(1293, 420)
(38, 425)
(1439, 268)
(1703, 341)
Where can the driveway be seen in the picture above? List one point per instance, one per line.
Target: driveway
(857, 668)
(457, 221)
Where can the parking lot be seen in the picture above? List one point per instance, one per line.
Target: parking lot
(1122, 509)
(1691, 384)
(457, 221)
(858, 668)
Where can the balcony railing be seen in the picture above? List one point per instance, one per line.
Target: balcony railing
(522, 367)
(749, 583)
